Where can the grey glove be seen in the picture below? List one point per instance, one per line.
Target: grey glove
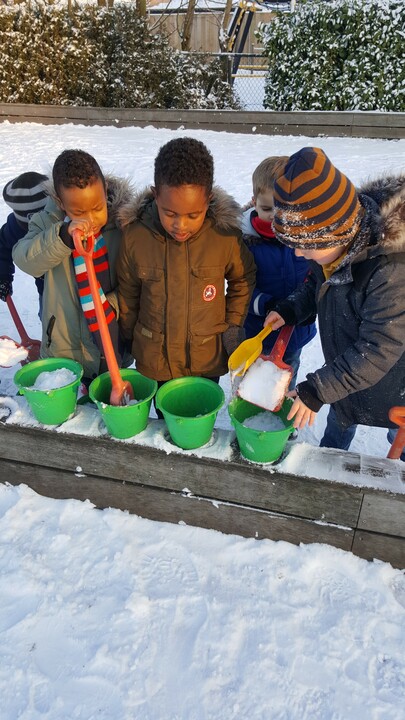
(232, 338)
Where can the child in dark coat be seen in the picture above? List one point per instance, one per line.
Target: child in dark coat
(355, 242)
(25, 195)
(278, 270)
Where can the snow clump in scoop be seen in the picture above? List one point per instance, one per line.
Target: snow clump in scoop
(264, 384)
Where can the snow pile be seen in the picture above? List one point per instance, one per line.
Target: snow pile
(11, 353)
(264, 421)
(54, 379)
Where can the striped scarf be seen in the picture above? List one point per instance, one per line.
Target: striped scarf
(101, 266)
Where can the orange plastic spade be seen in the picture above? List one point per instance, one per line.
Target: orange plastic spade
(275, 357)
(121, 391)
(32, 346)
(397, 415)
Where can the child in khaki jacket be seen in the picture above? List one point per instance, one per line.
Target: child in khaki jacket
(185, 277)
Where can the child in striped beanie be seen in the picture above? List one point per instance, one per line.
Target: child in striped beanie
(354, 241)
(25, 195)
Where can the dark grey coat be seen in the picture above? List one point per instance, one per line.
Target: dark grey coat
(361, 313)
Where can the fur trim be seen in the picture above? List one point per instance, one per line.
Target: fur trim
(388, 193)
(223, 209)
(119, 193)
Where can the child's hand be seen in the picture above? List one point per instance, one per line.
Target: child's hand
(274, 319)
(300, 412)
(83, 224)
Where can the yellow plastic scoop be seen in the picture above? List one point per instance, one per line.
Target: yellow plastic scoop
(247, 352)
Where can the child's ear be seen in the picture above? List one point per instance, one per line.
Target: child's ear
(153, 191)
(59, 203)
(253, 201)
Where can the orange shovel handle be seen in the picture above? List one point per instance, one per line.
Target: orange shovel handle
(87, 254)
(280, 346)
(397, 416)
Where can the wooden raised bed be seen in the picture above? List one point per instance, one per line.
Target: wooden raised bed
(365, 515)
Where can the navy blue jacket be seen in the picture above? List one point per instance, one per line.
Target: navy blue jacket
(10, 233)
(278, 273)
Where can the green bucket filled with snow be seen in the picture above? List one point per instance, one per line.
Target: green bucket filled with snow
(261, 434)
(50, 387)
(190, 406)
(124, 421)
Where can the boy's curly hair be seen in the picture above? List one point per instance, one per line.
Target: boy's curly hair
(184, 161)
(75, 168)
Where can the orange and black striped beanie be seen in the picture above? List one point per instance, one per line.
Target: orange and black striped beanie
(315, 205)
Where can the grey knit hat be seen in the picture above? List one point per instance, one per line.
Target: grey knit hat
(25, 195)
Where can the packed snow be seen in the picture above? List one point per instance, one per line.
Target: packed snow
(265, 384)
(11, 353)
(107, 615)
(54, 379)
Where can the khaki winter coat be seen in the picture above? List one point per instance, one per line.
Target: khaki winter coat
(42, 252)
(174, 301)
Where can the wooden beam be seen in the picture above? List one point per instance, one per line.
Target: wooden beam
(231, 496)
(268, 122)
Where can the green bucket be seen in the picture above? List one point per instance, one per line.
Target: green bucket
(190, 406)
(50, 407)
(261, 446)
(124, 421)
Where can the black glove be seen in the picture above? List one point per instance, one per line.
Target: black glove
(283, 308)
(232, 338)
(6, 286)
(306, 393)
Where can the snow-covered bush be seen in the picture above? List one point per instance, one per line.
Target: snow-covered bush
(340, 55)
(101, 57)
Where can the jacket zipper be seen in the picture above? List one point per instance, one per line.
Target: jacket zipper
(187, 335)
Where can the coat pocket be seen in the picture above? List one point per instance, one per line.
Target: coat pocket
(152, 298)
(207, 355)
(148, 350)
(207, 300)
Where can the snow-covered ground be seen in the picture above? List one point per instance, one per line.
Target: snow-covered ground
(105, 615)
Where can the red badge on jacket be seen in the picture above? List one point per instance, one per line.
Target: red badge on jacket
(209, 293)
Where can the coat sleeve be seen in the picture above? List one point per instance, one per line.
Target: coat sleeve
(129, 288)
(241, 276)
(41, 249)
(380, 342)
(300, 307)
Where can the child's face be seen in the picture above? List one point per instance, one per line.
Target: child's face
(182, 209)
(264, 205)
(89, 203)
(323, 256)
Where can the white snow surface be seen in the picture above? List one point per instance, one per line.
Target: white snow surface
(106, 615)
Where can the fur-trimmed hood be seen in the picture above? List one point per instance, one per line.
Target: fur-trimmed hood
(384, 200)
(223, 209)
(120, 192)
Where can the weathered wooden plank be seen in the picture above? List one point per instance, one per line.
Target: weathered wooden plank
(384, 513)
(236, 481)
(168, 506)
(340, 124)
(382, 547)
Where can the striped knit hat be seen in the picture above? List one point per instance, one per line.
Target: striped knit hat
(315, 205)
(25, 195)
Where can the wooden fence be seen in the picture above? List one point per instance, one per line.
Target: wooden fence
(311, 124)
